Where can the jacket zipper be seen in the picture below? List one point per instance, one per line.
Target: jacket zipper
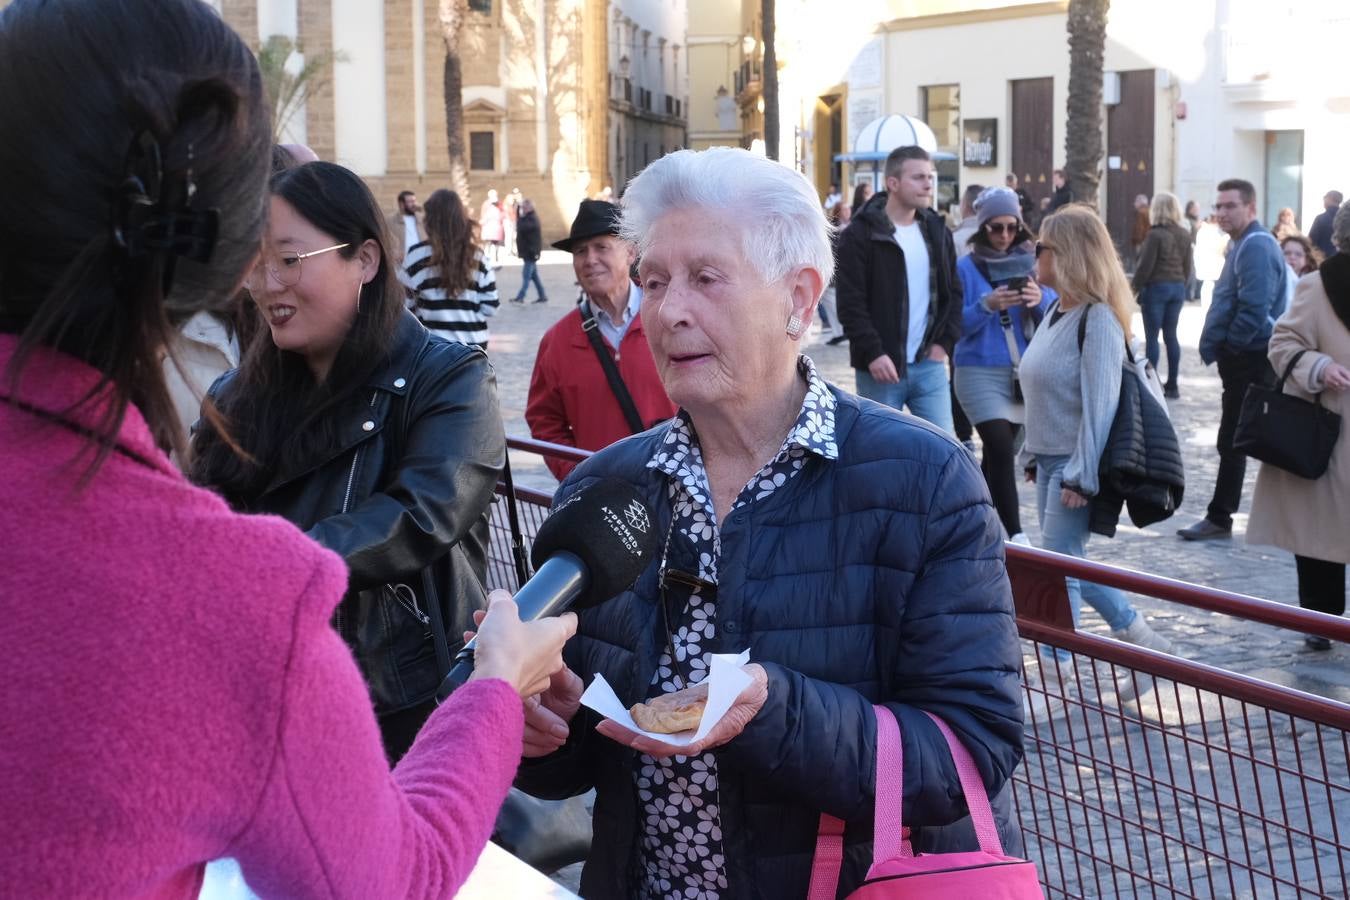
(407, 598)
(346, 503)
(356, 458)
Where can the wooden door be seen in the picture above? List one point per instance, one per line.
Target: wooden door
(1129, 144)
(1033, 136)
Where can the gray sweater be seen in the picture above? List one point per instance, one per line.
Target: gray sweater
(1071, 399)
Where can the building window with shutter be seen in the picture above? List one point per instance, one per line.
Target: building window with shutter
(482, 151)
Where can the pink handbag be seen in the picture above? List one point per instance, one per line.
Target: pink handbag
(896, 872)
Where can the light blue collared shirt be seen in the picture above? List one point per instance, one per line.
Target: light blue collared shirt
(614, 331)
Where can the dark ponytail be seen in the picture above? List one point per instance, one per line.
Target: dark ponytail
(101, 102)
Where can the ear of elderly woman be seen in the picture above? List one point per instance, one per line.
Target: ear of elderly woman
(852, 549)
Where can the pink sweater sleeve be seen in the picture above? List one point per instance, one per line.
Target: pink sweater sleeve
(333, 821)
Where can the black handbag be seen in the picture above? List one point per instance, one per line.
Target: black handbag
(1287, 432)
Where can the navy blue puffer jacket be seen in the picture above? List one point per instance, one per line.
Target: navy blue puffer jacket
(876, 577)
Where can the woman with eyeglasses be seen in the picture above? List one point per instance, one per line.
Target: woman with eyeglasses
(172, 689)
(1070, 376)
(1002, 309)
(382, 441)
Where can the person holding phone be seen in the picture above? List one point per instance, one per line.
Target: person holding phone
(1000, 311)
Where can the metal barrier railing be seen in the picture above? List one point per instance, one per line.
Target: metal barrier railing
(1146, 774)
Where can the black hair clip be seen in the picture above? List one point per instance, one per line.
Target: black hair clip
(141, 224)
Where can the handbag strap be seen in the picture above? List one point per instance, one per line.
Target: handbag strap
(1289, 370)
(518, 553)
(972, 785)
(1014, 354)
(591, 328)
(887, 842)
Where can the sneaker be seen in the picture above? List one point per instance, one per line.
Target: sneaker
(1020, 538)
(1204, 530)
(520, 300)
(1141, 634)
(835, 341)
(1316, 642)
(1171, 392)
(542, 300)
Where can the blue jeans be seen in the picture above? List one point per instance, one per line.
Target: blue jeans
(923, 388)
(1065, 530)
(529, 273)
(1161, 305)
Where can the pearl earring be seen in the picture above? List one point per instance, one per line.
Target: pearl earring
(794, 327)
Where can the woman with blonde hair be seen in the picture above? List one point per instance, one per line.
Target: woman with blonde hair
(1072, 387)
(1160, 280)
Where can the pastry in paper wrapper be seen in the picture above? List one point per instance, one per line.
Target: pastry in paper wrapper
(672, 713)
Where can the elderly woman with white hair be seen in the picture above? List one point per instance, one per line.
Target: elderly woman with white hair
(851, 549)
(1309, 517)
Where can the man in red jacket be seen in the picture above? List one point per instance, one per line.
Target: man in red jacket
(573, 400)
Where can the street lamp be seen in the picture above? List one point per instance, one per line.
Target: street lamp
(624, 66)
(748, 44)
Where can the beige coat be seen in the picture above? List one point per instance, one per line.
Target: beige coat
(398, 234)
(1310, 518)
(205, 350)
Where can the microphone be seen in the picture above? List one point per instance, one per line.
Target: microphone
(592, 547)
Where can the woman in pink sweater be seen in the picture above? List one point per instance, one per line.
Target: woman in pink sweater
(171, 690)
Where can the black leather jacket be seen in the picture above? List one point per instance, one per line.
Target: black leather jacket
(404, 499)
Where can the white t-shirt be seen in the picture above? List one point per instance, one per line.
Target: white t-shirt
(410, 235)
(915, 251)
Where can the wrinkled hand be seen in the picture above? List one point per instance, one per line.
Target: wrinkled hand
(1336, 377)
(547, 715)
(883, 371)
(746, 707)
(1071, 499)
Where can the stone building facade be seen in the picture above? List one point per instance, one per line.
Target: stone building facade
(545, 108)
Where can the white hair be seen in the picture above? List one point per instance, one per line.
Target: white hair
(776, 208)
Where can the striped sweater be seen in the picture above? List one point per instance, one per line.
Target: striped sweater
(462, 317)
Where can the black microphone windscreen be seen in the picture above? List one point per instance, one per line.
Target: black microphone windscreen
(609, 528)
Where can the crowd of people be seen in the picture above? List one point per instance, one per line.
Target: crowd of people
(252, 437)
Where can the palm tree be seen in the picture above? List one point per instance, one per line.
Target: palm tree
(286, 90)
(768, 27)
(1083, 133)
(452, 13)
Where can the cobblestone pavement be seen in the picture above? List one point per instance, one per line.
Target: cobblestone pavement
(1251, 649)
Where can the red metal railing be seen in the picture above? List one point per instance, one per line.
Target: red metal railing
(1147, 774)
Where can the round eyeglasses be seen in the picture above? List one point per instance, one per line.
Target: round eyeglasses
(284, 266)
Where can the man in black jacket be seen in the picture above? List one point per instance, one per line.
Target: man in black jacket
(898, 295)
(528, 245)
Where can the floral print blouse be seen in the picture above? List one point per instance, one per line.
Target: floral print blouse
(680, 841)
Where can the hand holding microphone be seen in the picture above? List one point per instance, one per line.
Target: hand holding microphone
(523, 654)
(593, 546)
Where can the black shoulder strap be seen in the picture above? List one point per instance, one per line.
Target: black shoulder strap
(592, 331)
(1082, 334)
(513, 517)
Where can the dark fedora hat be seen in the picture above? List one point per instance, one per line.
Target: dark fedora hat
(594, 218)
